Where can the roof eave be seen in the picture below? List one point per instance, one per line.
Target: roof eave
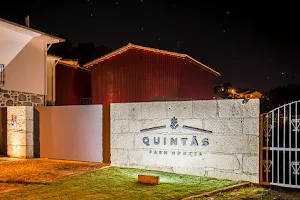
(201, 65)
(132, 46)
(111, 54)
(54, 38)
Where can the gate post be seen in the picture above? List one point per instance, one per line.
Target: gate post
(261, 130)
(106, 133)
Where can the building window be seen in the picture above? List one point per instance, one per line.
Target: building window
(1, 75)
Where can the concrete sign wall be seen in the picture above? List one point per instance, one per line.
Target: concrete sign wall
(216, 138)
(71, 132)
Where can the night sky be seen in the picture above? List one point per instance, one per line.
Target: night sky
(252, 44)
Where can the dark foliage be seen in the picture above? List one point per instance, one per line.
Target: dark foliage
(279, 96)
(84, 52)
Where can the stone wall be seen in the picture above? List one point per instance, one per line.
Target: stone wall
(20, 135)
(215, 138)
(14, 98)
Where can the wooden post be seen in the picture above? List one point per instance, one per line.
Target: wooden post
(106, 133)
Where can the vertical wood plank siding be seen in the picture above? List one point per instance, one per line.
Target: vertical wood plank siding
(72, 85)
(141, 76)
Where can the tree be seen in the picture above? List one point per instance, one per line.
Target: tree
(279, 96)
(63, 49)
(84, 52)
(87, 52)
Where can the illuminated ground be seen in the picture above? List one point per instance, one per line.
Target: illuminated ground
(119, 183)
(16, 173)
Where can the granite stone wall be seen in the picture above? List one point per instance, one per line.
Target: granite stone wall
(14, 98)
(20, 134)
(215, 138)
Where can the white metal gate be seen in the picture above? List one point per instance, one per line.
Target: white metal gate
(280, 147)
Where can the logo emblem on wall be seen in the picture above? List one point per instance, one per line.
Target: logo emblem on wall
(174, 123)
(193, 141)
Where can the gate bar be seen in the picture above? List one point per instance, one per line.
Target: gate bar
(278, 124)
(290, 144)
(267, 152)
(283, 171)
(273, 146)
(296, 152)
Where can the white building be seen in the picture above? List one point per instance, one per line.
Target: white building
(25, 79)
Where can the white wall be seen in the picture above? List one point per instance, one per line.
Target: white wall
(11, 43)
(26, 72)
(71, 132)
(232, 153)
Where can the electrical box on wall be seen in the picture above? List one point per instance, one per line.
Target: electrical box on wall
(14, 120)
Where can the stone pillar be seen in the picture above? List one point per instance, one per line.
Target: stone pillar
(20, 133)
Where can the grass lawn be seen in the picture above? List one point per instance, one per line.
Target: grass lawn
(256, 193)
(119, 183)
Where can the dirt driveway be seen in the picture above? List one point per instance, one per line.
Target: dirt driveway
(17, 173)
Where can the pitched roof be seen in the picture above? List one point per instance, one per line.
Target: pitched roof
(132, 46)
(29, 31)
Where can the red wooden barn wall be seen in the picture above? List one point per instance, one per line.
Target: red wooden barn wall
(72, 85)
(140, 76)
(195, 83)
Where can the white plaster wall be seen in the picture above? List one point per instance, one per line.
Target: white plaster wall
(11, 43)
(232, 153)
(26, 72)
(25, 60)
(71, 132)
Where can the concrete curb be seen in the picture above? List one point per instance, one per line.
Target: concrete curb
(226, 189)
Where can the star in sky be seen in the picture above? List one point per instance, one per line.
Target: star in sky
(234, 23)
